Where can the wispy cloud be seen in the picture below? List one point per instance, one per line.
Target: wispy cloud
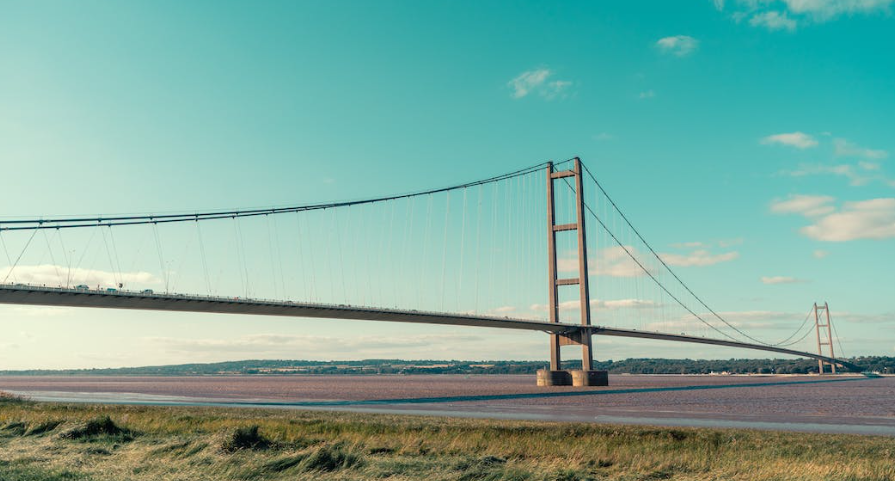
(781, 280)
(678, 45)
(537, 81)
(776, 15)
(858, 174)
(820, 253)
(646, 95)
(742, 319)
(616, 261)
(773, 20)
(807, 205)
(825, 10)
(798, 140)
(597, 304)
(868, 219)
(844, 148)
(604, 136)
(55, 275)
(699, 257)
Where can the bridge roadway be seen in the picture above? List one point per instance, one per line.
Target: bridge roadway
(58, 296)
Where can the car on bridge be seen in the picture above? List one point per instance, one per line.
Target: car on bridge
(82, 287)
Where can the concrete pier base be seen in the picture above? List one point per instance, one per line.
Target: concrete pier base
(589, 378)
(574, 377)
(547, 377)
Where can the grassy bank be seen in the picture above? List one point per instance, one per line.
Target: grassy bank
(93, 442)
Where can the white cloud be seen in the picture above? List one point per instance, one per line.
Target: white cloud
(824, 10)
(862, 173)
(869, 219)
(647, 94)
(857, 318)
(597, 304)
(773, 20)
(537, 81)
(556, 88)
(503, 310)
(687, 245)
(730, 242)
(844, 148)
(526, 81)
(820, 253)
(745, 320)
(604, 136)
(842, 170)
(798, 140)
(54, 275)
(625, 304)
(807, 205)
(699, 257)
(615, 262)
(781, 280)
(788, 14)
(679, 45)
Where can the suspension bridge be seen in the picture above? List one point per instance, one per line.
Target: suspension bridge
(524, 250)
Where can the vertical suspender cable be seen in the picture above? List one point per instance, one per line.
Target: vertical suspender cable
(66, 257)
(243, 275)
(478, 245)
(204, 261)
(115, 252)
(161, 258)
(423, 270)
(279, 256)
(341, 258)
(109, 256)
(52, 257)
(273, 267)
(462, 248)
(389, 252)
(447, 212)
(329, 269)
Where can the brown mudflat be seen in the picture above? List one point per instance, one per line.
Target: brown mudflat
(856, 397)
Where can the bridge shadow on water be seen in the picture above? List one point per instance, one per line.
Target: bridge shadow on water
(540, 395)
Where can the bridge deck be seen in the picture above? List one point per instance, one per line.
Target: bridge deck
(50, 296)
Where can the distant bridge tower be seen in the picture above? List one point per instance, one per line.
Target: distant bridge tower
(555, 376)
(821, 324)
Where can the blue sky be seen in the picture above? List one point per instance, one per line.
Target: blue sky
(750, 142)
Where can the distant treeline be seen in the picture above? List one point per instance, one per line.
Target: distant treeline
(881, 364)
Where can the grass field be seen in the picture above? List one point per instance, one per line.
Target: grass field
(100, 442)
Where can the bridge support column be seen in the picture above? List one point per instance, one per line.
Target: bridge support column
(555, 376)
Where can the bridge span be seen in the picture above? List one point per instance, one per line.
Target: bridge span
(66, 297)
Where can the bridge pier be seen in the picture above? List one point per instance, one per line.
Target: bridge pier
(572, 377)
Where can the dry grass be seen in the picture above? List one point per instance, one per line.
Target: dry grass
(161, 443)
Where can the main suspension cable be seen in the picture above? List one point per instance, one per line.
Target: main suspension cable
(75, 222)
(662, 261)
